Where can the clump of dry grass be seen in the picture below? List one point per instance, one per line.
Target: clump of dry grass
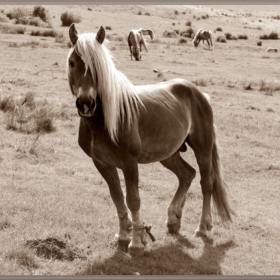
(55, 248)
(200, 82)
(269, 86)
(27, 116)
(44, 33)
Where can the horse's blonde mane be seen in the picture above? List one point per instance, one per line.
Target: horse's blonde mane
(196, 35)
(118, 95)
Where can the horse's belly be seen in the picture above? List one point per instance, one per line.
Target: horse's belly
(159, 145)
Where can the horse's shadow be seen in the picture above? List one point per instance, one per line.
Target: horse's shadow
(172, 259)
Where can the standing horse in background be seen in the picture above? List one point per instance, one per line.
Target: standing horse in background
(135, 38)
(203, 35)
(123, 125)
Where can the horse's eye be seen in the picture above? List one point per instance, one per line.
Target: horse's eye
(71, 64)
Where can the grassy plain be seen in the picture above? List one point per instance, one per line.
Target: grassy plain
(50, 188)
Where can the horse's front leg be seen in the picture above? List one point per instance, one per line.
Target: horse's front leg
(111, 176)
(139, 235)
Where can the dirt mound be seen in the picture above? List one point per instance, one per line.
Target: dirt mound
(53, 248)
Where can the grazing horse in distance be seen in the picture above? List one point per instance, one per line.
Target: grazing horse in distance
(123, 125)
(203, 35)
(272, 50)
(135, 38)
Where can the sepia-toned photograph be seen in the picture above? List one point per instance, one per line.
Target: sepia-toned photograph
(139, 140)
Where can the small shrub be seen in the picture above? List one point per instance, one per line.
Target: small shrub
(264, 37)
(147, 14)
(182, 41)
(187, 33)
(259, 43)
(221, 39)
(108, 27)
(13, 30)
(169, 34)
(3, 18)
(218, 29)
(59, 38)
(242, 37)
(45, 33)
(228, 36)
(188, 23)
(139, 13)
(41, 12)
(203, 17)
(30, 20)
(18, 13)
(68, 18)
(176, 12)
(271, 36)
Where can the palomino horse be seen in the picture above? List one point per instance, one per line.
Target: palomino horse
(203, 35)
(122, 125)
(135, 38)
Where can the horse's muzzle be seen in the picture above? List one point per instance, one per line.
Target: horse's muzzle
(85, 106)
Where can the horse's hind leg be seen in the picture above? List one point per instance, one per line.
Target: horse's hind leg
(202, 146)
(185, 174)
(111, 176)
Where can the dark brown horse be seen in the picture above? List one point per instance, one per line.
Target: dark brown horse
(122, 125)
(136, 40)
(203, 35)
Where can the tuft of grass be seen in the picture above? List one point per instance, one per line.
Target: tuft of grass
(23, 258)
(7, 104)
(200, 82)
(4, 224)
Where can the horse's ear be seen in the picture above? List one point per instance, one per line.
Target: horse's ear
(73, 33)
(100, 36)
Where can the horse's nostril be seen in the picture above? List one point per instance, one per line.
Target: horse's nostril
(78, 104)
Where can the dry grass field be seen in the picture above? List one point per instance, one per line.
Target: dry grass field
(56, 214)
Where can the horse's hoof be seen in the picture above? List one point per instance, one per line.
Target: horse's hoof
(173, 228)
(123, 245)
(136, 251)
(198, 233)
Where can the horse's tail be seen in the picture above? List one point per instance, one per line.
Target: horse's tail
(143, 41)
(220, 194)
(210, 38)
